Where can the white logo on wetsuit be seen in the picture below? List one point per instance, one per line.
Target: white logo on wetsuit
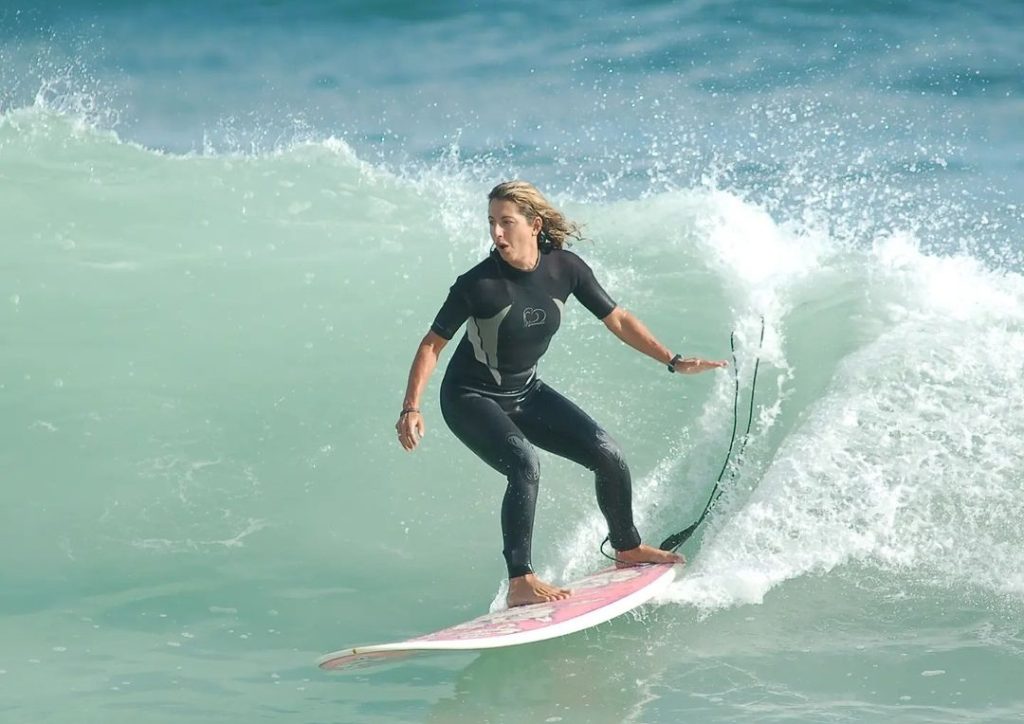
(533, 317)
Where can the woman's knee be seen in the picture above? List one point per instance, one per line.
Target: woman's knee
(522, 461)
(609, 461)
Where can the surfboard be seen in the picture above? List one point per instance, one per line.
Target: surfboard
(595, 599)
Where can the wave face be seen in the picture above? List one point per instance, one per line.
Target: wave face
(221, 244)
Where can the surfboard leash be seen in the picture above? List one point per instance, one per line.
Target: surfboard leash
(673, 542)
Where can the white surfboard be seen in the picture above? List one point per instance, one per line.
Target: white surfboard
(595, 599)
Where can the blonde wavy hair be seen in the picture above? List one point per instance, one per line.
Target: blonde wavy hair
(556, 230)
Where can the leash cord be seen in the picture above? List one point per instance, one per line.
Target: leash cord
(673, 542)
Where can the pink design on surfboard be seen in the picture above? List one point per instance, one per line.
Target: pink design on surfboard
(588, 594)
(595, 599)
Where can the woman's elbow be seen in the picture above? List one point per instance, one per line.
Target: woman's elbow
(434, 341)
(615, 319)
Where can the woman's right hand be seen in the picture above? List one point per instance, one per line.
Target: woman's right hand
(410, 429)
(410, 424)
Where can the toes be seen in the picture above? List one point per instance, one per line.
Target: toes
(555, 594)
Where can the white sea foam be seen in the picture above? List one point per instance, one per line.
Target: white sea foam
(908, 461)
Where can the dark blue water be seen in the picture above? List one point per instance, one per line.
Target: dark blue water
(802, 105)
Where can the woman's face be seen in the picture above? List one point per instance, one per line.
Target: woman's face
(513, 235)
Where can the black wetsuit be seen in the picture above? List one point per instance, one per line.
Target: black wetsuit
(493, 401)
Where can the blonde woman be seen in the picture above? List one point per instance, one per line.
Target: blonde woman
(491, 397)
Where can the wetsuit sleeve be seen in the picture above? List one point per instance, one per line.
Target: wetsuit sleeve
(591, 294)
(453, 312)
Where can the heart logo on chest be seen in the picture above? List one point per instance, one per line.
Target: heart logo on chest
(532, 317)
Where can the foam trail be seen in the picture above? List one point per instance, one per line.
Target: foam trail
(735, 245)
(908, 462)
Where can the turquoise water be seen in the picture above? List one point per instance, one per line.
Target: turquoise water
(226, 227)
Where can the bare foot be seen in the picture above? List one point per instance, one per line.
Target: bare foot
(524, 590)
(645, 554)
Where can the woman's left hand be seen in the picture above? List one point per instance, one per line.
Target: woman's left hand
(693, 365)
